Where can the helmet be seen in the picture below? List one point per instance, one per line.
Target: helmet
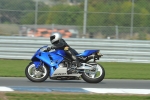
(55, 37)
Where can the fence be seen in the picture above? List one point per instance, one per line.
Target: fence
(115, 19)
(113, 50)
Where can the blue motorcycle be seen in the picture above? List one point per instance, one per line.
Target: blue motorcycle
(56, 64)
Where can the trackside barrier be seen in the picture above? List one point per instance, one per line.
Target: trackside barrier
(113, 50)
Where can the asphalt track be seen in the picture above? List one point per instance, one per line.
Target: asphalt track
(106, 86)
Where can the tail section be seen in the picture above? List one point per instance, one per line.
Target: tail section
(88, 52)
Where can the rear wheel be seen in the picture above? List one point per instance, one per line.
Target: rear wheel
(36, 75)
(95, 75)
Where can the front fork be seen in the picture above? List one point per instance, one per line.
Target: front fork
(37, 64)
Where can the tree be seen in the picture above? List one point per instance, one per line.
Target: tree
(12, 10)
(62, 14)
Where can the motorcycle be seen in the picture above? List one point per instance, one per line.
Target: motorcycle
(56, 64)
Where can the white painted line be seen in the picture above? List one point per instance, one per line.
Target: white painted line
(118, 90)
(5, 89)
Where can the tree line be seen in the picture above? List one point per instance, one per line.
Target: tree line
(100, 13)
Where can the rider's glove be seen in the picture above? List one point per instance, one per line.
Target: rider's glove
(48, 48)
(52, 47)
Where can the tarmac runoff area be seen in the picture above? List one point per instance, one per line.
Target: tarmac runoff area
(76, 90)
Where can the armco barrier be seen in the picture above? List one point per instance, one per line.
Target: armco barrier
(113, 50)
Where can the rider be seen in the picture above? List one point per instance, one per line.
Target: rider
(59, 43)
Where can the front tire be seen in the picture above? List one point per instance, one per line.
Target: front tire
(94, 76)
(36, 75)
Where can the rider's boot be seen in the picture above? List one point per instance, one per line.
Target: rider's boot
(78, 63)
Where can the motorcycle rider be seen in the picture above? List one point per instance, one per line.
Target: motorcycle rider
(59, 43)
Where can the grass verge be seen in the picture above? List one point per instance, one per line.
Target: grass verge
(114, 70)
(70, 96)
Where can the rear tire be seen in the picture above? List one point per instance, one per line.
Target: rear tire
(35, 75)
(86, 77)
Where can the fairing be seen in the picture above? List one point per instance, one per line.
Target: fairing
(54, 58)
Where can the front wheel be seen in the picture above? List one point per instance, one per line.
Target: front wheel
(95, 75)
(36, 75)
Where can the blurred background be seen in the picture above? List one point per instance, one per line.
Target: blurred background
(98, 19)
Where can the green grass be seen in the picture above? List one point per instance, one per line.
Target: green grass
(114, 70)
(12, 68)
(127, 70)
(67, 96)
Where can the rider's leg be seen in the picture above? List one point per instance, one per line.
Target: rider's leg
(73, 56)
